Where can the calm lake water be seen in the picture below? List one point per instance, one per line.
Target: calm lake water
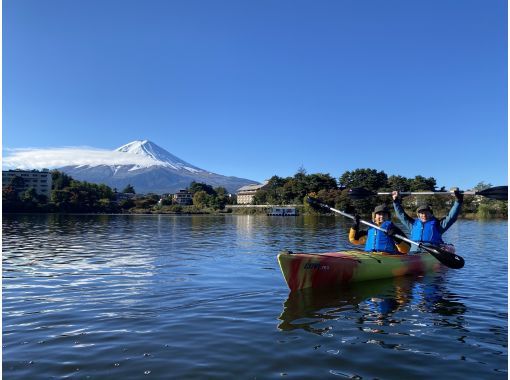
(189, 297)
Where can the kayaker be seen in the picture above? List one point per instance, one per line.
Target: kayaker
(427, 228)
(378, 241)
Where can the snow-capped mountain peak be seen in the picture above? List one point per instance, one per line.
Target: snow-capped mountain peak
(157, 155)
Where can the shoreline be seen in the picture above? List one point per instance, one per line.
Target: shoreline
(467, 216)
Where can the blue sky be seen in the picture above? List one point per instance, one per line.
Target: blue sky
(261, 88)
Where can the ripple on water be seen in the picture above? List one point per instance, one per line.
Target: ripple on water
(203, 297)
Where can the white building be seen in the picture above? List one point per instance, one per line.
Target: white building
(39, 180)
(246, 193)
(183, 197)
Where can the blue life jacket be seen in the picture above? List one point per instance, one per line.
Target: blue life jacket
(379, 241)
(426, 232)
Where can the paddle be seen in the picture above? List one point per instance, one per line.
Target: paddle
(449, 259)
(498, 192)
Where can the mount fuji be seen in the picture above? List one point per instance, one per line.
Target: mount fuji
(149, 169)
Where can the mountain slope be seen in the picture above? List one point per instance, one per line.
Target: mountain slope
(150, 168)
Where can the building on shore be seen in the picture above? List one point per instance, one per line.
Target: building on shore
(246, 193)
(183, 197)
(40, 181)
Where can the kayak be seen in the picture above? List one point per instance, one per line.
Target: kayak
(318, 270)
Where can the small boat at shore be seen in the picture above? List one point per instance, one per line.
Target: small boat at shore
(319, 270)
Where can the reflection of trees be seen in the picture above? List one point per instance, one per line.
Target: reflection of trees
(372, 303)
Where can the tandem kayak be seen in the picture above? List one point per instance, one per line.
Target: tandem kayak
(318, 270)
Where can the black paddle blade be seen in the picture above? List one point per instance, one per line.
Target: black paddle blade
(499, 193)
(314, 202)
(451, 260)
(360, 193)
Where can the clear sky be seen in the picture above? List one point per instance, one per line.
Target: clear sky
(256, 88)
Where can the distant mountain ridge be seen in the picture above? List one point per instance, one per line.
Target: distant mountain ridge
(150, 169)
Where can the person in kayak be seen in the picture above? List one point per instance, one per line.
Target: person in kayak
(378, 241)
(427, 228)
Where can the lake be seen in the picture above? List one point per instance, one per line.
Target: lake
(194, 297)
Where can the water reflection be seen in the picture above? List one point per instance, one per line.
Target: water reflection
(118, 296)
(382, 302)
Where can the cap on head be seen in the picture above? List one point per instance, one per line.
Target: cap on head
(381, 208)
(424, 207)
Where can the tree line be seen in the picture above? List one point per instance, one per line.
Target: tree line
(293, 190)
(73, 196)
(67, 195)
(70, 195)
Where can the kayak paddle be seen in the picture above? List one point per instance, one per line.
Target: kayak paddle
(498, 192)
(451, 260)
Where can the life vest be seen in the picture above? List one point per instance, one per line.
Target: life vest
(426, 232)
(379, 241)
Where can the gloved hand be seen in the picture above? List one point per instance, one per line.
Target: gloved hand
(391, 231)
(355, 225)
(394, 230)
(458, 195)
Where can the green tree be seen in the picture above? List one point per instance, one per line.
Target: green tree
(10, 199)
(29, 195)
(344, 202)
(126, 204)
(106, 192)
(105, 205)
(167, 201)
(397, 182)
(222, 198)
(129, 189)
(17, 183)
(369, 179)
(420, 183)
(198, 186)
(260, 197)
(61, 199)
(275, 182)
(147, 202)
(9, 194)
(200, 199)
(320, 181)
(482, 186)
(60, 180)
(274, 190)
(292, 189)
(486, 207)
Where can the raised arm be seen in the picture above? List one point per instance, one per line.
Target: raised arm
(406, 220)
(454, 212)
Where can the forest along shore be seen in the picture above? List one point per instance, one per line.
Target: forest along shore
(72, 196)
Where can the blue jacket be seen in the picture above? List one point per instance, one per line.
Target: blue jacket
(431, 231)
(428, 231)
(379, 241)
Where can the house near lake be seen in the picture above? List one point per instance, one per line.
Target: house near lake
(182, 197)
(246, 193)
